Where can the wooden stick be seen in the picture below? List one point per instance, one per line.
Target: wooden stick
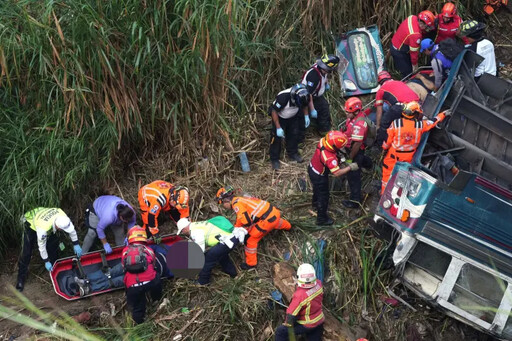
(189, 322)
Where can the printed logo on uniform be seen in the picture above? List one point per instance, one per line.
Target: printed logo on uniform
(310, 83)
(236, 209)
(418, 41)
(334, 163)
(278, 105)
(154, 209)
(43, 237)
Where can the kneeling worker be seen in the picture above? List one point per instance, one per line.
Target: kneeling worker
(140, 276)
(208, 234)
(41, 225)
(304, 314)
(257, 216)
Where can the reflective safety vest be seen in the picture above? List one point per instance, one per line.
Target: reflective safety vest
(209, 230)
(43, 218)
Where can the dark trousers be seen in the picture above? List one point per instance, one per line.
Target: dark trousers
(136, 298)
(29, 242)
(320, 193)
(354, 177)
(402, 61)
(217, 254)
(394, 112)
(312, 334)
(324, 115)
(291, 137)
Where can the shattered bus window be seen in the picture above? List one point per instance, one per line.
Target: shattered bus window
(478, 292)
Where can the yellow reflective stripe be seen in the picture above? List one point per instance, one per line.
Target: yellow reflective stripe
(409, 24)
(413, 48)
(316, 319)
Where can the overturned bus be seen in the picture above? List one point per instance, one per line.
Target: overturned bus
(452, 206)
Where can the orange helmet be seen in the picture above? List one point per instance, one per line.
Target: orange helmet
(410, 109)
(334, 140)
(383, 76)
(353, 104)
(223, 193)
(137, 234)
(449, 10)
(427, 17)
(179, 196)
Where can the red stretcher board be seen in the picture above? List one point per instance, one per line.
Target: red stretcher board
(91, 261)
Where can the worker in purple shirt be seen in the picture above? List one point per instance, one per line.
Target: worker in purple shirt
(107, 211)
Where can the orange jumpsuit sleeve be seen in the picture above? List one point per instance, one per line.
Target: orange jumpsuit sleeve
(391, 135)
(243, 217)
(153, 213)
(427, 125)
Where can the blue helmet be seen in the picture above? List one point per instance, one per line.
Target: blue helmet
(426, 44)
(299, 95)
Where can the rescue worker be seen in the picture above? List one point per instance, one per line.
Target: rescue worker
(107, 211)
(315, 80)
(257, 216)
(356, 131)
(285, 111)
(448, 23)
(441, 63)
(304, 314)
(405, 43)
(220, 243)
(161, 196)
(404, 136)
(140, 276)
(393, 94)
(473, 31)
(324, 162)
(40, 226)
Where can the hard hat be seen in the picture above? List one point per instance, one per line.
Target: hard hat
(137, 234)
(383, 76)
(179, 195)
(427, 17)
(410, 109)
(426, 44)
(334, 140)
(470, 27)
(353, 104)
(449, 10)
(182, 223)
(62, 222)
(306, 276)
(223, 193)
(328, 62)
(299, 95)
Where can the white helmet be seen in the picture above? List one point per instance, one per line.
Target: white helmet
(182, 223)
(62, 222)
(306, 276)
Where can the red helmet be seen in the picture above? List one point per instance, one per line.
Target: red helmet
(334, 140)
(353, 104)
(383, 76)
(449, 10)
(427, 17)
(137, 234)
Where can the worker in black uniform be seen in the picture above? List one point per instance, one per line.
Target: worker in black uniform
(315, 80)
(287, 112)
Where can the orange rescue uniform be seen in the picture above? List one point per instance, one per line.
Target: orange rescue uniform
(259, 218)
(162, 196)
(404, 136)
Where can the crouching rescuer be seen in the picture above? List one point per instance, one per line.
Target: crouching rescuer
(140, 276)
(257, 216)
(219, 236)
(304, 315)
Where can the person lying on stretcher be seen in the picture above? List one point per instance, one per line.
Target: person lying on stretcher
(99, 280)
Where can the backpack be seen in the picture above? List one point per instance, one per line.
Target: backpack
(135, 260)
(450, 48)
(371, 133)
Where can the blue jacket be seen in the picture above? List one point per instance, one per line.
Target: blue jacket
(105, 209)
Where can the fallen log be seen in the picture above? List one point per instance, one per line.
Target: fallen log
(334, 330)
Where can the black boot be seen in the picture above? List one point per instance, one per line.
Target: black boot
(351, 204)
(324, 221)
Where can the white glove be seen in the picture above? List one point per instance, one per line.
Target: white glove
(354, 166)
(226, 240)
(240, 233)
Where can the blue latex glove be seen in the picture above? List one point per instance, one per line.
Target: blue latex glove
(107, 248)
(48, 266)
(125, 243)
(280, 132)
(313, 113)
(308, 121)
(78, 250)
(327, 87)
